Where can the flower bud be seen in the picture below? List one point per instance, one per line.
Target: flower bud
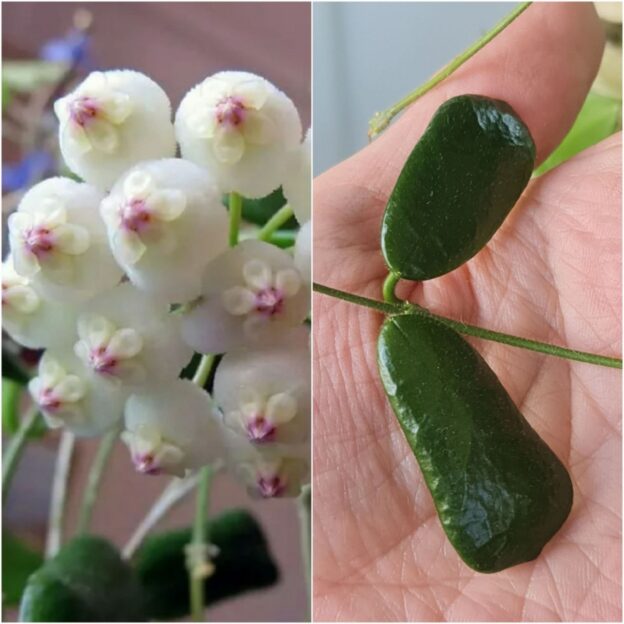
(250, 295)
(264, 394)
(58, 241)
(68, 396)
(128, 339)
(297, 184)
(303, 252)
(171, 429)
(165, 222)
(112, 121)
(30, 319)
(241, 128)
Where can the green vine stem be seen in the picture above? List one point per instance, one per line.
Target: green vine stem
(197, 552)
(58, 496)
(381, 120)
(94, 479)
(275, 223)
(204, 368)
(389, 287)
(15, 448)
(236, 211)
(472, 330)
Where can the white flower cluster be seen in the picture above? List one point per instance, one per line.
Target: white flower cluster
(121, 277)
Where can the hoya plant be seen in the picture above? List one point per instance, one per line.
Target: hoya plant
(158, 320)
(497, 493)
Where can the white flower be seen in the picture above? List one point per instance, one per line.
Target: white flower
(67, 396)
(250, 295)
(297, 184)
(111, 121)
(128, 339)
(274, 471)
(31, 320)
(171, 429)
(240, 127)
(264, 394)
(165, 222)
(58, 240)
(303, 252)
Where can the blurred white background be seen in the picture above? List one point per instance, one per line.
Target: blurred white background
(369, 55)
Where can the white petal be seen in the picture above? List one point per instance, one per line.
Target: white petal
(228, 146)
(257, 274)
(259, 129)
(125, 343)
(109, 209)
(52, 213)
(138, 185)
(253, 93)
(288, 281)
(168, 204)
(117, 107)
(238, 300)
(22, 298)
(203, 122)
(102, 135)
(72, 239)
(71, 389)
(50, 372)
(18, 222)
(76, 138)
(58, 267)
(281, 408)
(128, 246)
(25, 263)
(213, 90)
(95, 330)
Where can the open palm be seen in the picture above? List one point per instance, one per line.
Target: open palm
(551, 273)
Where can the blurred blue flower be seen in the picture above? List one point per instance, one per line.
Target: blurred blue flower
(72, 49)
(32, 168)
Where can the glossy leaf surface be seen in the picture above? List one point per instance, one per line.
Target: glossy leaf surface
(457, 186)
(499, 490)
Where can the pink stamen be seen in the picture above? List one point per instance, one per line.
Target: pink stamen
(269, 301)
(260, 430)
(82, 110)
(230, 111)
(48, 401)
(271, 487)
(101, 361)
(39, 241)
(135, 215)
(145, 464)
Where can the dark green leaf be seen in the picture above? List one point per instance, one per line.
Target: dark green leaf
(500, 492)
(86, 582)
(457, 186)
(259, 211)
(18, 563)
(13, 368)
(243, 563)
(599, 118)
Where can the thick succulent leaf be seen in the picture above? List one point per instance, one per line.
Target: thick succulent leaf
(18, 563)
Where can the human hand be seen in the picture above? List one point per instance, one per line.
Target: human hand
(551, 273)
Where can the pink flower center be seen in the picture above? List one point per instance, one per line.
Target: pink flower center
(135, 215)
(269, 301)
(230, 111)
(38, 240)
(271, 487)
(145, 464)
(101, 361)
(82, 110)
(259, 429)
(48, 401)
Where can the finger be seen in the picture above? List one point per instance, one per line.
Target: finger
(542, 65)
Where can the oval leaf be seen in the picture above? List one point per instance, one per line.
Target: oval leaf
(457, 186)
(18, 563)
(242, 564)
(500, 492)
(87, 581)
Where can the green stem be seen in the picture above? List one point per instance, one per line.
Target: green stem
(236, 210)
(389, 286)
(204, 369)
(304, 522)
(381, 120)
(94, 479)
(275, 223)
(472, 330)
(15, 448)
(198, 566)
